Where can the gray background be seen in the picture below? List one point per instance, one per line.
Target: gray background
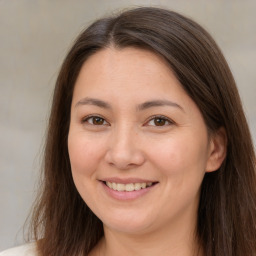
(35, 36)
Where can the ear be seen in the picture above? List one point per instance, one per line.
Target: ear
(217, 150)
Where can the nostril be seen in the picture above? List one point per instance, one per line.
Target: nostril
(124, 159)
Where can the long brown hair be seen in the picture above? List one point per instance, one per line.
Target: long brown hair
(227, 210)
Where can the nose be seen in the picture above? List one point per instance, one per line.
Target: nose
(124, 151)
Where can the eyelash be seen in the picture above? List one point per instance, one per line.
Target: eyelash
(87, 118)
(164, 118)
(152, 118)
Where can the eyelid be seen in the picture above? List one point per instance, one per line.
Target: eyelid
(170, 121)
(86, 118)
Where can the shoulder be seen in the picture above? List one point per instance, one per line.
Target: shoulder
(24, 250)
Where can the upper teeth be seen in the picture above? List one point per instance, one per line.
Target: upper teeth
(128, 187)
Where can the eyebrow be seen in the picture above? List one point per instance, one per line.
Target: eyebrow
(92, 101)
(158, 103)
(140, 107)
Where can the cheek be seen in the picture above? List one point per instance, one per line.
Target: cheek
(180, 155)
(84, 157)
(181, 165)
(84, 154)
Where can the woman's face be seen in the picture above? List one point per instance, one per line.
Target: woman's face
(138, 144)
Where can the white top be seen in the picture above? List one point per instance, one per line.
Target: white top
(23, 250)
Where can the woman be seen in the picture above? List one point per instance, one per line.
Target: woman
(148, 149)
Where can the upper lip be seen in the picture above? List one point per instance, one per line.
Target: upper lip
(127, 180)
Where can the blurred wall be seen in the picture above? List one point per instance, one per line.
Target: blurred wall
(35, 36)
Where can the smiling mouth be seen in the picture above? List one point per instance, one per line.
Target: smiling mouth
(129, 187)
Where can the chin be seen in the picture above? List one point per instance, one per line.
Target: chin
(131, 224)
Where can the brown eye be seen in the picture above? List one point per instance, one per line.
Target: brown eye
(159, 121)
(95, 120)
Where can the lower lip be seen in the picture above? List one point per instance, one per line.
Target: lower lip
(125, 195)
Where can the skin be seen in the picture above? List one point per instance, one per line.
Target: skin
(128, 141)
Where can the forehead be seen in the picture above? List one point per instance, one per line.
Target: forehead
(130, 57)
(132, 67)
